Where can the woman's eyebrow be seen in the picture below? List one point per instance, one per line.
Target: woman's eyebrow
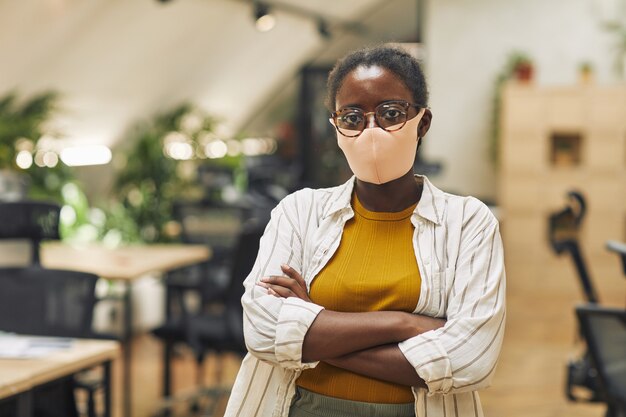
(350, 106)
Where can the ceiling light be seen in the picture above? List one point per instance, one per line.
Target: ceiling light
(85, 155)
(264, 20)
(322, 29)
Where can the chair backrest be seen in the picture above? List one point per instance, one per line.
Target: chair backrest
(604, 330)
(563, 235)
(31, 220)
(244, 256)
(620, 249)
(209, 224)
(47, 302)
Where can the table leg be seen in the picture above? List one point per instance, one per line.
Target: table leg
(167, 369)
(128, 339)
(167, 346)
(25, 404)
(107, 388)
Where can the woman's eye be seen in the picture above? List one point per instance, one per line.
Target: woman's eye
(353, 119)
(392, 114)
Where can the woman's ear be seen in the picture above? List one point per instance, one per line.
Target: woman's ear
(424, 124)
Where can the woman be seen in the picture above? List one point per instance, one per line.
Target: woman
(383, 296)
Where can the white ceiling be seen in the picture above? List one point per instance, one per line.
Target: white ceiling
(117, 61)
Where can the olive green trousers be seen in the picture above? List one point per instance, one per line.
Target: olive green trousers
(309, 404)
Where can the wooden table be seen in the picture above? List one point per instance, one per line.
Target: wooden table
(124, 264)
(18, 377)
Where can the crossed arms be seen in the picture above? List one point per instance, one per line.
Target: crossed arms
(364, 343)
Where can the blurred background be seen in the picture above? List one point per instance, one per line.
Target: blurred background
(183, 122)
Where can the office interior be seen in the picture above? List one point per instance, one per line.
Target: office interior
(141, 142)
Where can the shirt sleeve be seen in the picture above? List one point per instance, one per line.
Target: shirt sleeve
(274, 328)
(462, 355)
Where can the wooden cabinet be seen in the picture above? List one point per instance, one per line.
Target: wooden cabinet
(556, 139)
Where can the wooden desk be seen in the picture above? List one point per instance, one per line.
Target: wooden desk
(19, 376)
(124, 264)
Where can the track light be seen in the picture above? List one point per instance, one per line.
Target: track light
(265, 21)
(322, 29)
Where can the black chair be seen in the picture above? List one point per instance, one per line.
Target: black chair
(224, 331)
(30, 220)
(564, 230)
(221, 331)
(563, 234)
(217, 226)
(604, 330)
(47, 302)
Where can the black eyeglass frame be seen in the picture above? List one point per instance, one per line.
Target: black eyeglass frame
(405, 104)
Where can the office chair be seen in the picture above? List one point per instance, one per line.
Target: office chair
(31, 220)
(47, 302)
(563, 235)
(206, 223)
(221, 331)
(604, 330)
(564, 230)
(217, 226)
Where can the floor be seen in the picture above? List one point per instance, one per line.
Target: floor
(540, 337)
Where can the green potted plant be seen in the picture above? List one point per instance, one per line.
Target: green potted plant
(522, 67)
(28, 149)
(158, 168)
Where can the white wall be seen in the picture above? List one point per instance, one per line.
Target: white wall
(468, 42)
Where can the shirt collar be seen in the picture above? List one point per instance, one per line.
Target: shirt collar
(430, 206)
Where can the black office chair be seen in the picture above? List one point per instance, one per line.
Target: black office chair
(47, 302)
(221, 331)
(217, 226)
(604, 330)
(564, 231)
(34, 221)
(206, 223)
(563, 234)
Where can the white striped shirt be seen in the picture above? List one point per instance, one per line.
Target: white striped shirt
(459, 253)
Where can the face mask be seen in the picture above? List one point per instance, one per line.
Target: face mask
(377, 156)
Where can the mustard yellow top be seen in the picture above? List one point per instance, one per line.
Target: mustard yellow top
(373, 269)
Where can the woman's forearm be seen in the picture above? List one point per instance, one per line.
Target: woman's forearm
(334, 334)
(382, 362)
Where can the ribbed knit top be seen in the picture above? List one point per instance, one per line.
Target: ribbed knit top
(373, 269)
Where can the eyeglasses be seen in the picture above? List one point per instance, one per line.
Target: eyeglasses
(389, 116)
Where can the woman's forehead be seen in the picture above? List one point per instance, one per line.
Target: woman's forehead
(369, 85)
(363, 72)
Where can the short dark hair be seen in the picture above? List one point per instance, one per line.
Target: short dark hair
(396, 60)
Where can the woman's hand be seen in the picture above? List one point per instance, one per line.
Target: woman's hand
(291, 285)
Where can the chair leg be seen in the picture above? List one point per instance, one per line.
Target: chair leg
(613, 410)
(91, 404)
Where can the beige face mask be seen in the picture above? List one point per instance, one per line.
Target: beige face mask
(377, 156)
